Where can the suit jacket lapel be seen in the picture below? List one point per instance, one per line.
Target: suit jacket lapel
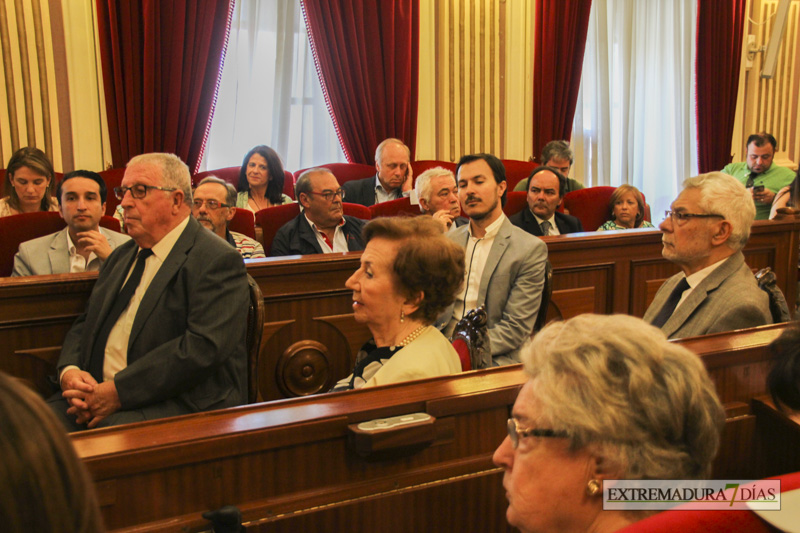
(59, 253)
(699, 293)
(497, 250)
(170, 267)
(306, 233)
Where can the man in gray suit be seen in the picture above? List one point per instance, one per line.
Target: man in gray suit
(83, 245)
(504, 264)
(704, 233)
(164, 329)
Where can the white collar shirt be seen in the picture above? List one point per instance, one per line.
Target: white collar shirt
(695, 279)
(551, 220)
(77, 263)
(339, 238)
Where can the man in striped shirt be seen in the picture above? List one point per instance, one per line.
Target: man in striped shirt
(214, 206)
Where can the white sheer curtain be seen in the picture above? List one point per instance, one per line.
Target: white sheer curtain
(269, 92)
(635, 120)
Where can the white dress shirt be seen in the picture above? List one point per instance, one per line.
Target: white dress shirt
(551, 220)
(695, 279)
(77, 263)
(339, 238)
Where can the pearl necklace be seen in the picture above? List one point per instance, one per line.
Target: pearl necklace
(412, 336)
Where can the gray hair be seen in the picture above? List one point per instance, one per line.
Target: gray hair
(617, 386)
(303, 183)
(423, 183)
(386, 142)
(230, 190)
(174, 172)
(558, 150)
(724, 195)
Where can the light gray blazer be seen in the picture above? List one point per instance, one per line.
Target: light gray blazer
(728, 299)
(511, 289)
(49, 254)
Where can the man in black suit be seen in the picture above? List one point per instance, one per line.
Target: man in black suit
(322, 227)
(545, 191)
(164, 329)
(392, 180)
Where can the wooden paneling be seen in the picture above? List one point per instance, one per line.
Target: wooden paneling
(310, 338)
(290, 465)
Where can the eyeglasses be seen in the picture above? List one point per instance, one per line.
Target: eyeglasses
(211, 204)
(681, 217)
(138, 191)
(515, 432)
(329, 195)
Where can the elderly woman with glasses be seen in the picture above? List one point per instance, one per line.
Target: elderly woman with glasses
(607, 397)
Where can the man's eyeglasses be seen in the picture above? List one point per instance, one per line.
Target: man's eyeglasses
(210, 204)
(515, 432)
(138, 191)
(329, 195)
(680, 217)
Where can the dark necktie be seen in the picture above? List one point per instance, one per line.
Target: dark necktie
(545, 228)
(671, 303)
(751, 179)
(120, 303)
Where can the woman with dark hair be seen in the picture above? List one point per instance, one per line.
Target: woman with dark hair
(261, 180)
(29, 183)
(626, 209)
(784, 378)
(410, 272)
(786, 197)
(44, 487)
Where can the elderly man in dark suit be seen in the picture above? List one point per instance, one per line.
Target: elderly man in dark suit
(392, 181)
(545, 192)
(164, 329)
(704, 233)
(322, 227)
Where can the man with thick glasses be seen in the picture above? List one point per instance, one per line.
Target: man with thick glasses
(214, 206)
(704, 233)
(164, 329)
(322, 227)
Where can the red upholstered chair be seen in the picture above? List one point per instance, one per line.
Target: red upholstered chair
(393, 208)
(243, 222)
(113, 178)
(590, 205)
(421, 166)
(16, 229)
(231, 175)
(344, 172)
(517, 171)
(516, 201)
(272, 219)
(356, 210)
(710, 521)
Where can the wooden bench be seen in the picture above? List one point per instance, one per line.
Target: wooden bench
(302, 464)
(310, 338)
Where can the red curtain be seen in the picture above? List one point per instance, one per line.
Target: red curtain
(560, 40)
(367, 56)
(720, 30)
(161, 63)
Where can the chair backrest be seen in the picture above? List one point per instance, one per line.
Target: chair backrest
(393, 208)
(113, 178)
(516, 201)
(231, 175)
(344, 172)
(517, 171)
(421, 166)
(590, 205)
(768, 282)
(272, 219)
(16, 229)
(110, 223)
(255, 328)
(356, 210)
(243, 222)
(470, 338)
(547, 292)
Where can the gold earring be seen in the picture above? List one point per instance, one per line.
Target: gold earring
(593, 487)
(402, 316)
